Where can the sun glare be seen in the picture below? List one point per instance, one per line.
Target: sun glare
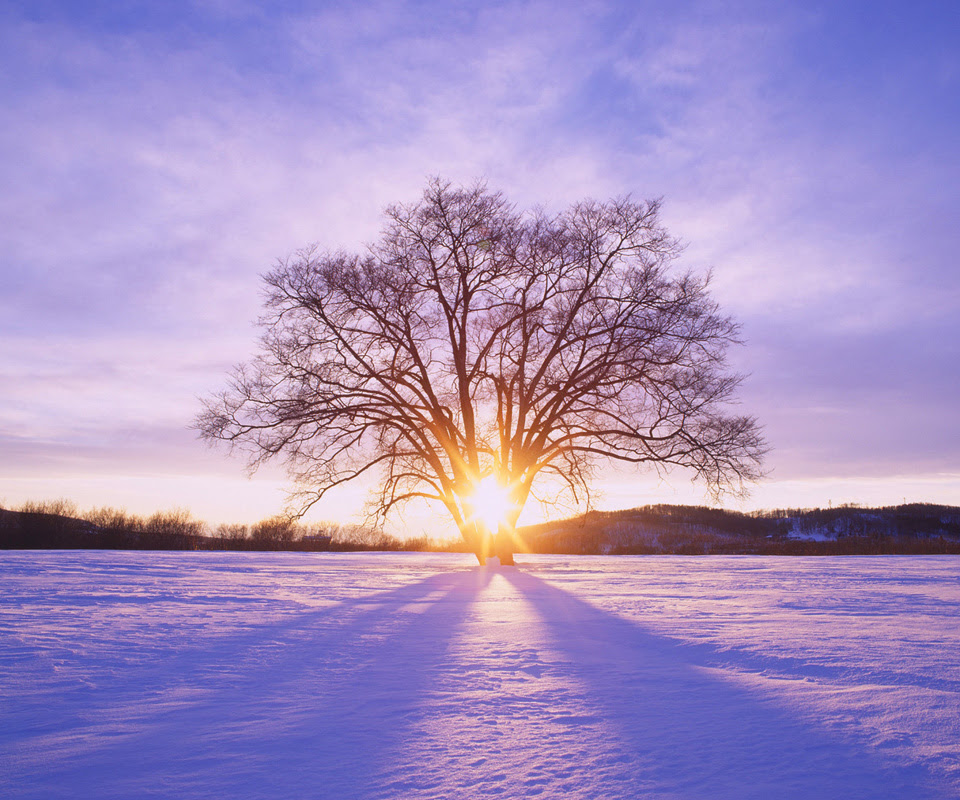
(490, 503)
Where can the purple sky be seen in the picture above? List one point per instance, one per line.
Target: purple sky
(156, 158)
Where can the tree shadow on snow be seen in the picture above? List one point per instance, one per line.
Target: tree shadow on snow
(682, 731)
(300, 708)
(372, 699)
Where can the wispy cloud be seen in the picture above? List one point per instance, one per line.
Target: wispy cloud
(155, 164)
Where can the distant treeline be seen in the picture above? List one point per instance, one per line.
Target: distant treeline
(844, 530)
(916, 528)
(58, 525)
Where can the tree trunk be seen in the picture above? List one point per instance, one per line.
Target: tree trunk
(481, 543)
(484, 544)
(503, 545)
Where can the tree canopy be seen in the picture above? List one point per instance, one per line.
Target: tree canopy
(474, 345)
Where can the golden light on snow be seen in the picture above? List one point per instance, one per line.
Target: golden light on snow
(490, 503)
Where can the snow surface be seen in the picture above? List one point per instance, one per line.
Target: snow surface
(286, 675)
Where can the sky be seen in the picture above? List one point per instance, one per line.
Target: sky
(157, 158)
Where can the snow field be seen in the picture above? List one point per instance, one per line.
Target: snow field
(285, 675)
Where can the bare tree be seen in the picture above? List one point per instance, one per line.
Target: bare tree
(475, 353)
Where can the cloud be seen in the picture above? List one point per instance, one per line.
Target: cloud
(154, 166)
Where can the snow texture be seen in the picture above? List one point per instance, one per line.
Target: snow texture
(283, 675)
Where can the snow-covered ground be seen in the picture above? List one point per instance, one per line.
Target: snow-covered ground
(232, 675)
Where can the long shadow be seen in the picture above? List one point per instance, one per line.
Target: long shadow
(331, 702)
(298, 709)
(684, 732)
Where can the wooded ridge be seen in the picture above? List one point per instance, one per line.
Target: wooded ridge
(657, 529)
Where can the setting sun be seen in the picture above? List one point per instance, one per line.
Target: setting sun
(490, 503)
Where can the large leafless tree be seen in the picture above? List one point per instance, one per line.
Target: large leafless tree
(476, 345)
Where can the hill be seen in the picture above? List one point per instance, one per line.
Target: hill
(911, 528)
(667, 529)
